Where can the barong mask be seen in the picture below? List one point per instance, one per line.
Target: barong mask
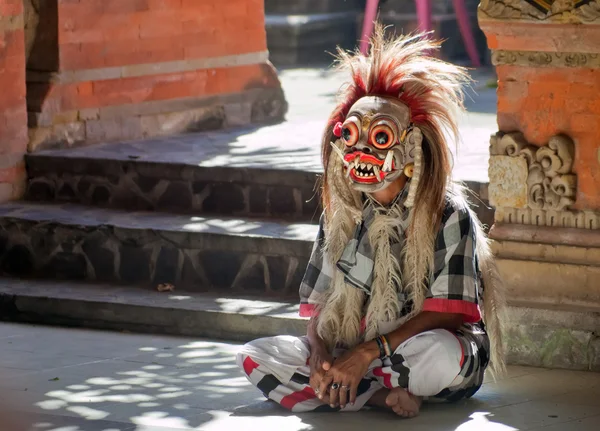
(378, 142)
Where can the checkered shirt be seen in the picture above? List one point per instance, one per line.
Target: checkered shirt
(455, 285)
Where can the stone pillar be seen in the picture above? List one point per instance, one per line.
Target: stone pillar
(13, 115)
(106, 70)
(544, 164)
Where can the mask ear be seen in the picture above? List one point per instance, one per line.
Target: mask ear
(414, 154)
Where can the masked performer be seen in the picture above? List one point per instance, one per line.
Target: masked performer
(402, 292)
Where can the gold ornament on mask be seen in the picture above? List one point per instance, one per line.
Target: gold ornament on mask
(403, 137)
(409, 170)
(366, 122)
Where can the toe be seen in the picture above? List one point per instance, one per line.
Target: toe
(392, 399)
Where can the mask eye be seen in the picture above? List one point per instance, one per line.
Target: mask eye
(350, 133)
(382, 137)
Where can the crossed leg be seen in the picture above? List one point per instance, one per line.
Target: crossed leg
(427, 365)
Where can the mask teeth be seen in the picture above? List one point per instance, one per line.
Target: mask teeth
(377, 174)
(339, 153)
(387, 165)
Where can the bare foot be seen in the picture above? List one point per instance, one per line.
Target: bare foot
(402, 403)
(399, 400)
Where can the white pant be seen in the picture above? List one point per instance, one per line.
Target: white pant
(434, 363)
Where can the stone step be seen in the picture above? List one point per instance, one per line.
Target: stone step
(297, 7)
(247, 172)
(548, 337)
(74, 242)
(267, 172)
(308, 39)
(104, 306)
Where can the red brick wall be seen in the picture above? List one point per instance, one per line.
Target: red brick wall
(542, 101)
(114, 92)
(13, 115)
(107, 33)
(146, 58)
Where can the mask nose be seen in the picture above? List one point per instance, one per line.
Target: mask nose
(361, 146)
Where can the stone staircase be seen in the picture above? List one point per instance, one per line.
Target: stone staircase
(229, 228)
(148, 212)
(307, 31)
(302, 32)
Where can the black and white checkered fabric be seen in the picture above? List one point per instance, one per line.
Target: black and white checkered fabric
(455, 284)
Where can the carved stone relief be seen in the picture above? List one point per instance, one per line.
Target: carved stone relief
(535, 185)
(545, 59)
(589, 13)
(565, 11)
(550, 182)
(567, 219)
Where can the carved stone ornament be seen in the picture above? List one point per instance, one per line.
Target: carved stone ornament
(535, 185)
(550, 181)
(568, 219)
(545, 59)
(562, 11)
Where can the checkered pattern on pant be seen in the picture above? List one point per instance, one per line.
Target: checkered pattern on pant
(436, 364)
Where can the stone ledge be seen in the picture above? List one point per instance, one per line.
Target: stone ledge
(155, 118)
(194, 253)
(179, 174)
(555, 253)
(514, 36)
(551, 283)
(545, 235)
(309, 39)
(309, 6)
(109, 307)
(133, 176)
(548, 337)
(129, 71)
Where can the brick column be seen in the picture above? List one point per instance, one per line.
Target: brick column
(544, 165)
(13, 115)
(106, 70)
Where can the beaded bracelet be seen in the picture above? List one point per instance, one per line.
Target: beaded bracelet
(384, 347)
(382, 353)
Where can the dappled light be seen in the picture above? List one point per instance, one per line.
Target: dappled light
(151, 387)
(479, 421)
(78, 380)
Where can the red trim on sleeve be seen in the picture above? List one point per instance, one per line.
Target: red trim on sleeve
(308, 310)
(469, 309)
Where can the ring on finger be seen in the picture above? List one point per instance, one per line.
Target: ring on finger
(347, 388)
(317, 391)
(335, 386)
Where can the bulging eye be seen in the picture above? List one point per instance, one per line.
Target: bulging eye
(350, 133)
(382, 136)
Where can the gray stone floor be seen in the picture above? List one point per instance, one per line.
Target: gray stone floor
(82, 380)
(295, 143)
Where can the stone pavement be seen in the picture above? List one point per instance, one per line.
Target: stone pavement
(83, 380)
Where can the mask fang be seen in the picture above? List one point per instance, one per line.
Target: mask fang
(387, 165)
(377, 173)
(340, 153)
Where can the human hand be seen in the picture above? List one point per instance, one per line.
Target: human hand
(319, 362)
(347, 372)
